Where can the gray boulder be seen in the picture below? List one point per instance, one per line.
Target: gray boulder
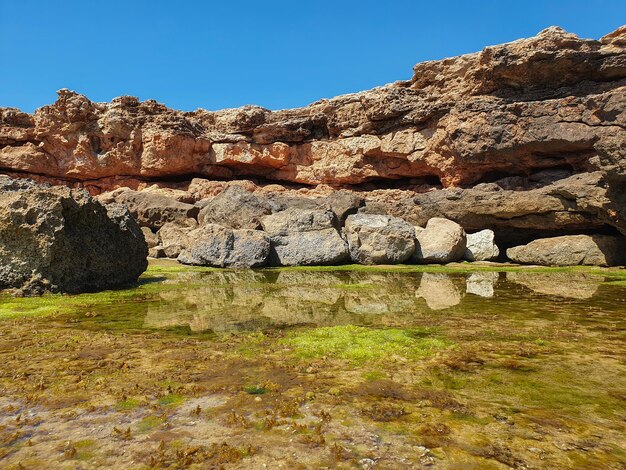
(62, 240)
(481, 246)
(304, 238)
(379, 239)
(442, 241)
(235, 208)
(174, 238)
(572, 250)
(150, 209)
(214, 245)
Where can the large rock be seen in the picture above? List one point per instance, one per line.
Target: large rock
(572, 250)
(150, 209)
(442, 241)
(379, 239)
(62, 240)
(304, 238)
(214, 245)
(481, 246)
(174, 238)
(235, 208)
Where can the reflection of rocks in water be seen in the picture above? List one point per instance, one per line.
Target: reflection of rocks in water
(482, 283)
(311, 278)
(302, 305)
(366, 303)
(381, 293)
(569, 285)
(439, 291)
(221, 308)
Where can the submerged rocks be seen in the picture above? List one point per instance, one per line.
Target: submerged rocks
(379, 239)
(571, 250)
(214, 245)
(481, 246)
(442, 241)
(235, 208)
(62, 240)
(304, 238)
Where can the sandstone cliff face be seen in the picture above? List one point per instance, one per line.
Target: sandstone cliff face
(551, 102)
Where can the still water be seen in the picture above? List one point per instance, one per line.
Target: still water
(320, 368)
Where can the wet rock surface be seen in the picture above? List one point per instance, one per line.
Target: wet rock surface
(61, 240)
(315, 368)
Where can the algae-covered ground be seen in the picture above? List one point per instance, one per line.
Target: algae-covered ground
(462, 366)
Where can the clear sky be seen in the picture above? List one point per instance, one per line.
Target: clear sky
(274, 53)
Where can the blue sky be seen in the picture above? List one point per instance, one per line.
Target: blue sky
(276, 54)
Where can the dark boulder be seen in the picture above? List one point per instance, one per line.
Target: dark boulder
(62, 240)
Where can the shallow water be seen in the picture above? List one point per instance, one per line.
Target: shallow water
(459, 367)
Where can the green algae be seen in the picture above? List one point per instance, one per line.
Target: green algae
(171, 399)
(362, 345)
(181, 359)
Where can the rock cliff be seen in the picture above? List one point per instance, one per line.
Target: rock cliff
(529, 135)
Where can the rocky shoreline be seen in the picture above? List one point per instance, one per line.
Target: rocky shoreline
(516, 153)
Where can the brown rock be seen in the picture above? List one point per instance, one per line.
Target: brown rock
(235, 208)
(551, 102)
(150, 209)
(573, 250)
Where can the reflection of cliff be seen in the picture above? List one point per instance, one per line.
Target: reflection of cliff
(225, 300)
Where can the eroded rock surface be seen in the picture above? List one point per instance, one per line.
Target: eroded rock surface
(62, 240)
(235, 208)
(379, 239)
(442, 241)
(573, 250)
(305, 237)
(527, 139)
(524, 114)
(152, 210)
(214, 245)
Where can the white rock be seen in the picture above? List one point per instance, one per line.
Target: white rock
(481, 246)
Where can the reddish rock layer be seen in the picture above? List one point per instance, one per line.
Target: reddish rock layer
(553, 101)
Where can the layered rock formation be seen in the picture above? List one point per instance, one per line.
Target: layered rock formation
(62, 240)
(527, 139)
